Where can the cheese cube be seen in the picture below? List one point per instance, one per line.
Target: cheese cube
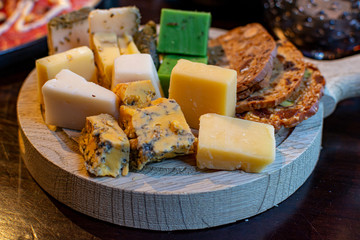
(69, 99)
(139, 93)
(68, 31)
(168, 63)
(227, 143)
(127, 45)
(105, 147)
(199, 88)
(136, 67)
(156, 132)
(184, 32)
(124, 20)
(79, 60)
(106, 51)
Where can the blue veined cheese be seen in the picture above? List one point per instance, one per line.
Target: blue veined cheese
(69, 99)
(106, 51)
(123, 20)
(68, 31)
(139, 93)
(105, 146)
(156, 132)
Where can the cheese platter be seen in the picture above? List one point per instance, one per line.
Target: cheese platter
(175, 194)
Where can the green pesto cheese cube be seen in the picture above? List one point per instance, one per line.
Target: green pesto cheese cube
(184, 32)
(168, 63)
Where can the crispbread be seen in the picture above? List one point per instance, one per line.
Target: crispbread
(303, 103)
(250, 50)
(286, 76)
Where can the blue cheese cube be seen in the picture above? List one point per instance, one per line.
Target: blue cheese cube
(105, 147)
(156, 132)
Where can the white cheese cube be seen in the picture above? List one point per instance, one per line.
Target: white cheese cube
(124, 20)
(69, 99)
(136, 67)
(227, 143)
(68, 31)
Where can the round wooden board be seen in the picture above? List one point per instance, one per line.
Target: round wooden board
(170, 195)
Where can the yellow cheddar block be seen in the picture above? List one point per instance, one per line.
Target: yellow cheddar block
(78, 60)
(139, 93)
(227, 143)
(199, 88)
(106, 50)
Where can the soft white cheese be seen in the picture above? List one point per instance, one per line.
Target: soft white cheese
(69, 99)
(68, 31)
(136, 67)
(124, 20)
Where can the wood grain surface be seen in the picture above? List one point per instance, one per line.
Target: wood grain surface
(171, 195)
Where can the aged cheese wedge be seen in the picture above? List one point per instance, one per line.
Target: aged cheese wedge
(227, 143)
(156, 132)
(106, 51)
(69, 99)
(139, 93)
(136, 67)
(68, 31)
(105, 147)
(79, 60)
(199, 88)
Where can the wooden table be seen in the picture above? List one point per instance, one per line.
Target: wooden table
(327, 206)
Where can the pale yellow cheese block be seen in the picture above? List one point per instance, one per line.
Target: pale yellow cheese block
(79, 60)
(106, 51)
(227, 143)
(199, 88)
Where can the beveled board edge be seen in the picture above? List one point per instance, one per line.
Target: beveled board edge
(342, 78)
(157, 200)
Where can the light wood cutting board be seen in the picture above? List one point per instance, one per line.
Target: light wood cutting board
(174, 194)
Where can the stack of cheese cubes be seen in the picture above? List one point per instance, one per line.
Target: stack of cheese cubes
(94, 88)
